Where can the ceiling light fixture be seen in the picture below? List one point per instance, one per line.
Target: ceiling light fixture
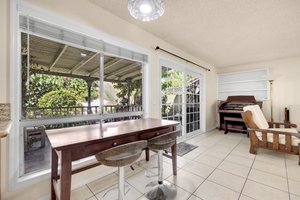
(83, 55)
(146, 10)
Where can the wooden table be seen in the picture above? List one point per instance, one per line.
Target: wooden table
(70, 144)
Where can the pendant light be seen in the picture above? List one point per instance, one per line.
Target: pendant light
(146, 10)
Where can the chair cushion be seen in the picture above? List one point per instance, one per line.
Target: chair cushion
(258, 116)
(295, 140)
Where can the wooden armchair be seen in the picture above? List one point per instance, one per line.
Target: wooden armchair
(275, 136)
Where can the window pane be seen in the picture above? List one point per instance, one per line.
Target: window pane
(123, 85)
(37, 149)
(64, 81)
(193, 102)
(56, 84)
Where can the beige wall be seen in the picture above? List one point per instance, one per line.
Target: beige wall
(83, 12)
(4, 51)
(286, 86)
(4, 96)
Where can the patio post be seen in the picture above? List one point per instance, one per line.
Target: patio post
(89, 87)
(129, 85)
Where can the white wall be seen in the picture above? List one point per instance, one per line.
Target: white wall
(4, 7)
(286, 86)
(4, 41)
(86, 13)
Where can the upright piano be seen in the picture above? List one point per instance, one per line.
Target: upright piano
(230, 112)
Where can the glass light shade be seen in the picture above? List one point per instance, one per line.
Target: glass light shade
(146, 10)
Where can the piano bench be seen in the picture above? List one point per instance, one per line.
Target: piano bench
(228, 120)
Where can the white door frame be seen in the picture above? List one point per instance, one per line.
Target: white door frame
(186, 69)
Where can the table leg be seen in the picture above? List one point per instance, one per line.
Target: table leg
(43, 139)
(226, 128)
(65, 175)
(54, 166)
(174, 158)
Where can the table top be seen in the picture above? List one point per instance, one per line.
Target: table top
(74, 135)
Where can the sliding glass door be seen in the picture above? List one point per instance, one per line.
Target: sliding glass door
(181, 94)
(172, 94)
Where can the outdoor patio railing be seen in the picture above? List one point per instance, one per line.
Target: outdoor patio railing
(36, 113)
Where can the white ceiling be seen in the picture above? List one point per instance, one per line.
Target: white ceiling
(224, 32)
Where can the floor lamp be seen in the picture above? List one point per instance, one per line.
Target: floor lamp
(271, 98)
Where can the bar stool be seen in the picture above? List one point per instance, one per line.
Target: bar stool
(121, 156)
(160, 190)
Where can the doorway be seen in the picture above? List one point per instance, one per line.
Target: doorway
(181, 97)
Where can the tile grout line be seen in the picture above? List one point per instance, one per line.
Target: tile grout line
(143, 194)
(251, 167)
(264, 183)
(268, 186)
(192, 194)
(247, 177)
(287, 177)
(206, 179)
(94, 195)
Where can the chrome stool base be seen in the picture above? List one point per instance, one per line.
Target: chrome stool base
(163, 191)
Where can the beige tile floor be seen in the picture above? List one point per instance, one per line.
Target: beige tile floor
(220, 168)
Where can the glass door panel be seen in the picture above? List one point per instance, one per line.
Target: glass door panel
(172, 92)
(181, 97)
(193, 104)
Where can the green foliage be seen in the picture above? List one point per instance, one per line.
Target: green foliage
(79, 87)
(59, 98)
(171, 79)
(122, 88)
(136, 91)
(39, 85)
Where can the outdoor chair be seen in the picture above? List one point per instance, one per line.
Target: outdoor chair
(270, 135)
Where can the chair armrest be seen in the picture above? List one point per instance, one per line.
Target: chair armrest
(297, 135)
(271, 124)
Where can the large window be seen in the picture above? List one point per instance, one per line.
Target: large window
(69, 81)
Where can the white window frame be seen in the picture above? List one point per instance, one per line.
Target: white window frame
(14, 151)
(186, 69)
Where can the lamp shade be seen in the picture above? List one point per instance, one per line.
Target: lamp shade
(146, 10)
